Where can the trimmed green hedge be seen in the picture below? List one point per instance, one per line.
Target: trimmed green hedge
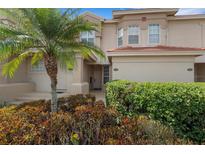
(179, 105)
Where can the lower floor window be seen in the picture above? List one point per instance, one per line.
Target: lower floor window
(106, 73)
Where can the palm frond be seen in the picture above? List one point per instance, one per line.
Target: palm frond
(74, 27)
(37, 56)
(7, 31)
(47, 30)
(18, 20)
(93, 49)
(67, 58)
(10, 68)
(84, 49)
(10, 47)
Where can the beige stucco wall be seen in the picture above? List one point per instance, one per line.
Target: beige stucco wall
(154, 69)
(19, 76)
(186, 33)
(109, 36)
(109, 30)
(86, 70)
(97, 21)
(42, 80)
(128, 20)
(2, 79)
(182, 33)
(13, 90)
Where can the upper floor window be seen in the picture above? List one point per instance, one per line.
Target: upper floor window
(133, 35)
(38, 67)
(120, 37)
(154, 35)
(88, 37)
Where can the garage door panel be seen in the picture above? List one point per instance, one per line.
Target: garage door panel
(154, 72)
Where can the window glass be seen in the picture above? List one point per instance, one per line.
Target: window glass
(120, 37)
(84, 34)
(154, 33)
(88, 37)
(38, 67)
(106, 74)
(133, 35)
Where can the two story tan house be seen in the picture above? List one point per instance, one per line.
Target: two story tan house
(141, 45)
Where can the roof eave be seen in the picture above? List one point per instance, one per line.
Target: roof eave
(93, 15)
(118, 13)
(186, 17)
(171, 53)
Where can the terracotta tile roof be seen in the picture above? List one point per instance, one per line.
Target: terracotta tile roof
(155, 48)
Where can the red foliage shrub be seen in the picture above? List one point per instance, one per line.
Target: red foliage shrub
(87, 122)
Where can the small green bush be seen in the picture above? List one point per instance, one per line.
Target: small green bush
(179, 105)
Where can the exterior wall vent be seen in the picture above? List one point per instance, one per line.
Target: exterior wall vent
(144, 19)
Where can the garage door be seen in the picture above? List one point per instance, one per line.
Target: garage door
(154, 71)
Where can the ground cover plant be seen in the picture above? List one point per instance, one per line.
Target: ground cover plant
(80, 120)
(178, 105)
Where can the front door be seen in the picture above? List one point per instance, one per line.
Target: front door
(97, 77)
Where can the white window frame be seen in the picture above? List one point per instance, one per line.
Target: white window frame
(121, 36)
(87, 36)
(38, 68)
(149, 34)
(137, 34)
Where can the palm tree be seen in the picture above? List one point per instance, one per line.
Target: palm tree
(43, 34)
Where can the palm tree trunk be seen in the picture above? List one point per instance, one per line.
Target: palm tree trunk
(52, 70)
(54, 99)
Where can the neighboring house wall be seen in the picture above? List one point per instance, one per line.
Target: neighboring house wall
(158, 69)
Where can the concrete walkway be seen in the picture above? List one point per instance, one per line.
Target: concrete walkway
(33, 96)
(100, 95)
